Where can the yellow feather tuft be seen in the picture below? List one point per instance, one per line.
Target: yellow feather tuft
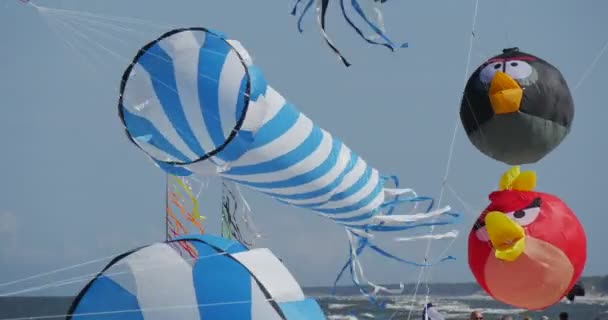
(507, 178)
(526, 181)
(514, 179)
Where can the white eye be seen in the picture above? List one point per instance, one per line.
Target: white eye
(518, 69)
(482, 234)
(488, 72)
(524, 217)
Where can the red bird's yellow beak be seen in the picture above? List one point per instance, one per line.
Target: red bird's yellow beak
(505, 94)
(507, 237)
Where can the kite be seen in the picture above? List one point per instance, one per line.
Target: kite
(577, 291)
(182, 208)
(527, 249)
(516, 108)
(375, 24)
(431, 313)
(226, 281)
(195, 103)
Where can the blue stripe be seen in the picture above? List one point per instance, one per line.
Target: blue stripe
(276, 127)
(355, 206)
(240, 103)
(358, 185)
(307, 309)
(218, 280)
(105, 295)
(243, 139)
(138, 126)
(316, 173)
(212, 56)
(159, 65)
(287, 160)
(360, 217)
(259, 86)
(295, 156)
(332, 186)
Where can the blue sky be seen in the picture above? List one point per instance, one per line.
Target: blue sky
(74, 189)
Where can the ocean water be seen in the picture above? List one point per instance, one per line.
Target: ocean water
(353, 307)
(397, 308)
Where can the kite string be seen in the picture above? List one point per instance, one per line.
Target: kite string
(591, 66)
(123, 59)
(448, 164)
(151, 309)
(77, 279)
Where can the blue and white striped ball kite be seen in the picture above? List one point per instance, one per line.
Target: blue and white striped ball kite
(226, 281)
(195, 103)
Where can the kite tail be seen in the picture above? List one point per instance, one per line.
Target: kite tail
(359, 240)
(377, 29)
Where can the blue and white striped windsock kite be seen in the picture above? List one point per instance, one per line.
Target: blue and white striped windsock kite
(196, 104)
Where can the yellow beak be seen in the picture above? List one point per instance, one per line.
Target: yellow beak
(505, 94)
(507, 237)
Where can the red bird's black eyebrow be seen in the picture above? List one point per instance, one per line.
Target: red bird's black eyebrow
(536, 203)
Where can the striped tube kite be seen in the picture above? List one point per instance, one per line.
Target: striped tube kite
(226, 281)
(195, 103)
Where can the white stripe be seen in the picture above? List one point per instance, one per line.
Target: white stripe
(409, 218)
(228, 91)
(358, 223)
(155, 152)
(310, 162)
(261, 308)
(263, 109)
(273, 275)
(373, 205)
(203, 168)
(275, 102)
(326, 179)
(150, 267)
(353, 176)
(348, 181)
(184, 50)
(242, 51)
(362, 193)
(448, 235)
(138, 91)
(280, 146)
(342, 161)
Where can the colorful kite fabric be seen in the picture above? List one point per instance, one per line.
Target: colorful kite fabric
(527, 249)
(183, 216)
(516, 108)
(196, 104)
(226, 281)
(375, 24)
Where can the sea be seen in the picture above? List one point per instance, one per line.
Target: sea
(356, 307)
(398, 308)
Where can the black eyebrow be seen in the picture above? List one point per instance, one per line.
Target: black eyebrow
(535, 203)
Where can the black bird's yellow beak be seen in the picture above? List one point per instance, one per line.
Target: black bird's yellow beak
(505, 94)
(507, 237)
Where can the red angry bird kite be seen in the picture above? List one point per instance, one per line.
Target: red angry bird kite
(527, 248)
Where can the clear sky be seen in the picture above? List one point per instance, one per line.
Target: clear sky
(73, 188)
